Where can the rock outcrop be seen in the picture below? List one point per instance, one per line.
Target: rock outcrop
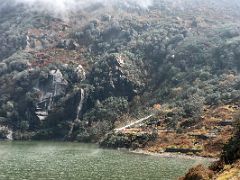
(48, 90)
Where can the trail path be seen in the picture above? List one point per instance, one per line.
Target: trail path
(133, 123)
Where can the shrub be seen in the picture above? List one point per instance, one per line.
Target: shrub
(3, 68)
(24, 125)
(231, 151)
(3, 132)
(193, 107)
(109, 110)
(19, 65)
(213, 99)
(198, 173)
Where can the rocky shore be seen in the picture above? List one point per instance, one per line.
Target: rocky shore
(174, 155)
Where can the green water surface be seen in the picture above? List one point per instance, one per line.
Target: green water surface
(75, 161)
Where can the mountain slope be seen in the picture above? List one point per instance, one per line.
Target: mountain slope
(78, 75)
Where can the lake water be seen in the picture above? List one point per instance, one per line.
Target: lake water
(75, 161)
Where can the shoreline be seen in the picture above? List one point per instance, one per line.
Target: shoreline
(137, 151)
(173, 155)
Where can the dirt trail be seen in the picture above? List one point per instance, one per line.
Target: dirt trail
(133, 123)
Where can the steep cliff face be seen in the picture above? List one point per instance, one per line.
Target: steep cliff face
(79, 74)
(48, 90)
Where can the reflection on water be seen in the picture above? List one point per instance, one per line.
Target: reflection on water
(74, 161)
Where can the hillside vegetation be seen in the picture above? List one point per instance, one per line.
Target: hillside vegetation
(80, 76)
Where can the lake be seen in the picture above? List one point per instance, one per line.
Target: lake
(76, 161)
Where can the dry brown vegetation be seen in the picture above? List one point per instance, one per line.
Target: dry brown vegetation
(206, 138)
(198, 173)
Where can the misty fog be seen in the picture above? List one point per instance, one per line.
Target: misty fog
(63, 7)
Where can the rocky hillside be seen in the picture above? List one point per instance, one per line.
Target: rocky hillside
(78, 75)
(228, 167)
